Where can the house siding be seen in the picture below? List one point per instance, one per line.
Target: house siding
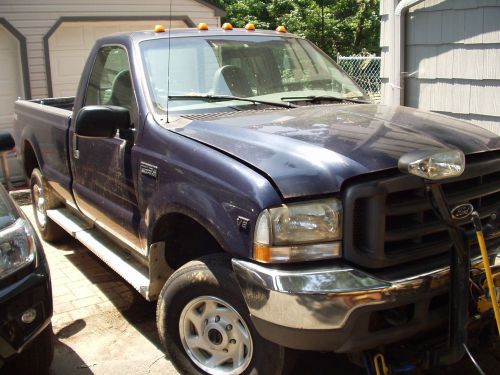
(452, 58)
(34, 19)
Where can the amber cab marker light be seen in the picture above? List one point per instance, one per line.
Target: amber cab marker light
(159, 29)
(250, 27)
(281, 29)
(202, 26)
(227, 26)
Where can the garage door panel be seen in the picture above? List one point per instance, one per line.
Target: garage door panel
(70, 44)
(71, 36)
(67, 69)
(6, 122)
(66, 90)
(7, 106)
(7, 41)
(135, 26)
(149, 25)
(10, 72)
(11, 87)
(95, 31)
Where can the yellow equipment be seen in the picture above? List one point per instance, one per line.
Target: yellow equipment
(490, 279)
(380, 366)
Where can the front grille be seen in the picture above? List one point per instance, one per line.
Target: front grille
(389, 219)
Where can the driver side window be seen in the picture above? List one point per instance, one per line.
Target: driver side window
(110, 82)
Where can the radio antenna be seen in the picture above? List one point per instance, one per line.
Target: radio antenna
(168, 58)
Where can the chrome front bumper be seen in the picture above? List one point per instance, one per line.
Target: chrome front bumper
(324, 298)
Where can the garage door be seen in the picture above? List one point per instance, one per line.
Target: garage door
(11, 86)
(70, 45)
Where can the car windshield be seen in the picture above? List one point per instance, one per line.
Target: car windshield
(272, 69)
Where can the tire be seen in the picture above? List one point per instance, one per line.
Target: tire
(36, 358)
(190, 297)
(43, 199)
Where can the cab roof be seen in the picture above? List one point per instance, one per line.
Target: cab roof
(139, 36)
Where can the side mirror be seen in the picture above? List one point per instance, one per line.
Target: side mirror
(99, 121)
(6, 142)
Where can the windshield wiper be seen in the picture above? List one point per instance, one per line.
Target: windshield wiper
(319, 98)
(215, 98)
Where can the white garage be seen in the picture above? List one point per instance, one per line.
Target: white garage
(71, 42)
(11, 82)
(11, 78)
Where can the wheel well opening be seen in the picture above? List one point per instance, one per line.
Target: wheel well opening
(30, 160)
(185, 239)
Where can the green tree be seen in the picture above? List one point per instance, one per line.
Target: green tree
(336, 26)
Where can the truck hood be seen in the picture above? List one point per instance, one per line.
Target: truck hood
(312, 150)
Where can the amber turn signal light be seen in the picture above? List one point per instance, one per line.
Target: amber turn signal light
(262, 253)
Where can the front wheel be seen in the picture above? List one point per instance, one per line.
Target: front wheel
(43, 199)
(205, 326)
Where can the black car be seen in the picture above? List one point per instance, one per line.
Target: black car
(26, 338)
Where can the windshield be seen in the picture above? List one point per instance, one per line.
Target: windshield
(268, 68)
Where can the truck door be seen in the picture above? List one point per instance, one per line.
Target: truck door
(103, 180)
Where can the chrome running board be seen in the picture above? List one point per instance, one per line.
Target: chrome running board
(124, 264)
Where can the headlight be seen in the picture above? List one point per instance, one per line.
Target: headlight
(299, 232)
(17, 247)
(433, 165)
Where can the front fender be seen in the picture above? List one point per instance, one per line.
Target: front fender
(219, 218)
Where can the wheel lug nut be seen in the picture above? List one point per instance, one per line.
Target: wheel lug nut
(217, 318)
(229, 327)
(225, 350)
(232, 341)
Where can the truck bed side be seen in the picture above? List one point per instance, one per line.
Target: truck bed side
(42, 125)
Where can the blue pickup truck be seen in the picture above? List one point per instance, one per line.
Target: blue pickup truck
(245, 182)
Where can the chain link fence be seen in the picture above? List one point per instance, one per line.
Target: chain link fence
(365, 70)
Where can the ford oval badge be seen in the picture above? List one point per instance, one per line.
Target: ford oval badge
(462, 211)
